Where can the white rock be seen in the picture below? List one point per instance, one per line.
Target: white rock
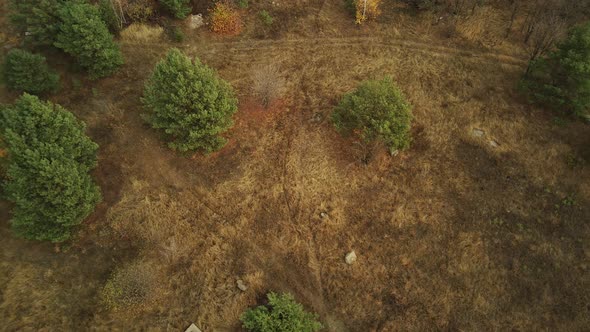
(350, 257)
(477, 132)
(323, 215)
(192, 328)
(494, 144)
(195, 21)
(241, 285)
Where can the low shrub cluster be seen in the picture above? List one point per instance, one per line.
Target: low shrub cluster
(132, 285)
(243, 4)
(49, 160)
(27, 72)
(376, 110)
(267, 84)
(266, 18)
(363, 9)
(178, 8)
(225, 19)
(282, 314)
(139, 11)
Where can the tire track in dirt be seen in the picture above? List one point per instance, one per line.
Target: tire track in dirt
(301, 44)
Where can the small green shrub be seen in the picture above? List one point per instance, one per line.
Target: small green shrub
(266, 18)
(84, 35)
(282, 314)
(422, 4)
(561, 80)
(350, 6)
(179, 8)
(376, 110)
(177, 35)
(189, 102)
(28, 72)
(49, 160)
(243, 4)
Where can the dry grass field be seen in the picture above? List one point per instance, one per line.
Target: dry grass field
(460, 233)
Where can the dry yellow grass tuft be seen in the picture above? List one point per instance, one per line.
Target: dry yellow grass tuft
(142, 33)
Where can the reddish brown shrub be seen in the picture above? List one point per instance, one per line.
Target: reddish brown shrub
(225, 19)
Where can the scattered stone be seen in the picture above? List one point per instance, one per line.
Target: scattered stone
(193, 328)
(323, 215)
(195, 21)
(317, 117)
(241, 285)
(477, 132)
(350, 257)
(394, 153)
(494, 144)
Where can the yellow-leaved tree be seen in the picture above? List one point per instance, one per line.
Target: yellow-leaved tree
(367, 9)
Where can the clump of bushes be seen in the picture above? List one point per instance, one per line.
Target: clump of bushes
(363, 10)
(561, 80)
(49, 160)
(375, 111)
(266, 18)
(422, 4)
(179, 8)
(28, 72)
(176, 34)
(189, 102)
(225, 19)
(267, 84)
(243, 4)
(84, 35)
(282, 314)
(139, 11)
(131, 285)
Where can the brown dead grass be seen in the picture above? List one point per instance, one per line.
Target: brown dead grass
(452, 235)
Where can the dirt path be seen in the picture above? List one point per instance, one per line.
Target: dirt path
(301, 44)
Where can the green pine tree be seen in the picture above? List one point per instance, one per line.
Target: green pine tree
(179, 8)
(37, 19)
(84, 35)
(28, 72)
(561, 80)
(49, 160)
(376, 110)
(189, 102)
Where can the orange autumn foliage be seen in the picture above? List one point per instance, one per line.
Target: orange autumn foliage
(367, 9)
(225, 19)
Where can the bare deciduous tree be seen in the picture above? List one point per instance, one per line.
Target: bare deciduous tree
(546, 33)
(268, 85)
